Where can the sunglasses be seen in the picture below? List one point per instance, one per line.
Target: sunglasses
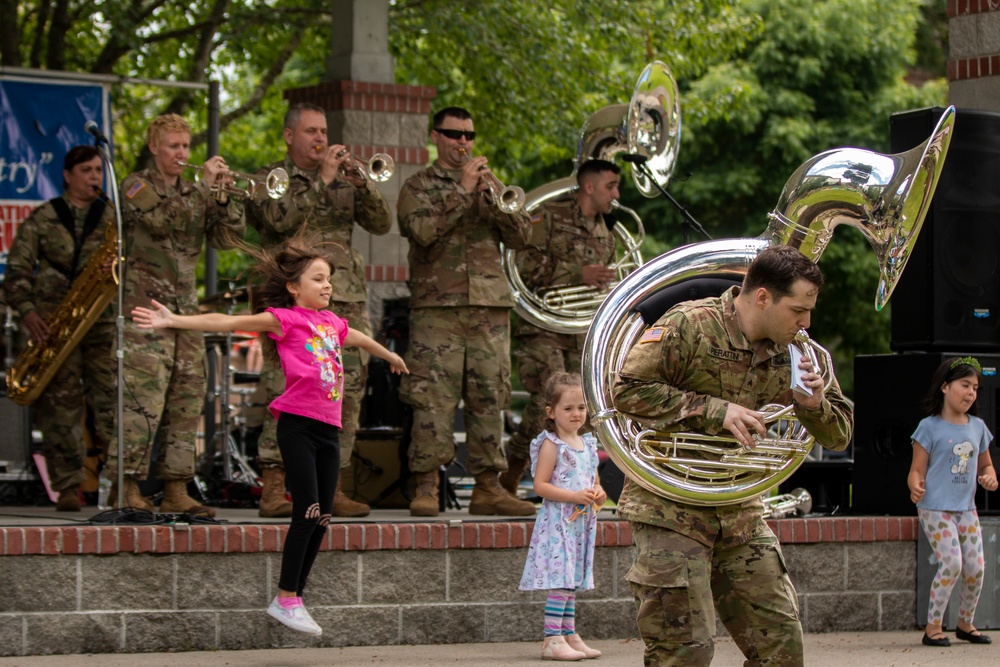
(457, 134)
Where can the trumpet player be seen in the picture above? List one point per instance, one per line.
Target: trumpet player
(459, 346)
(52, 246)
(708, 366)
(166, 221)
(571, 244)
(327, 195)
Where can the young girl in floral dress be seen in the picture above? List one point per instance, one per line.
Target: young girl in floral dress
(561, 554)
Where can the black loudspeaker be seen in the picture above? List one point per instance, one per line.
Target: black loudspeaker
(889, 390)
(947, 298)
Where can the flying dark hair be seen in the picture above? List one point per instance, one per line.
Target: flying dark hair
(777, 268)
(277, 267)
(950, 370)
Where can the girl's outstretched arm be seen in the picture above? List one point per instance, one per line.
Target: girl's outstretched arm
(160, 317)
(356, 338)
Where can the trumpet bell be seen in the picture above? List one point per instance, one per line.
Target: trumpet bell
(381, 167)
(276, 183)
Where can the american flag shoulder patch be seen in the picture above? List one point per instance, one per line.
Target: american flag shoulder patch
(652, 335)
(136, 188)
(536, 218)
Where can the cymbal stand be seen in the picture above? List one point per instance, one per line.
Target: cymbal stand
(224, 402)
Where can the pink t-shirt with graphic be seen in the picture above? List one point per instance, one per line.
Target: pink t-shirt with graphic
(310, 353)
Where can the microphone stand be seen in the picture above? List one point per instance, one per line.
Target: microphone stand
(102, 146)
(688, 222)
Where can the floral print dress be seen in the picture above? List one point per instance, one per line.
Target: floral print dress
(561, 553)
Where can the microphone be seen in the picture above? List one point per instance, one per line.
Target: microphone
(634, 158)
(92, 128)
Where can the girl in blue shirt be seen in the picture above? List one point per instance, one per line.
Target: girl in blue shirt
(950, 453)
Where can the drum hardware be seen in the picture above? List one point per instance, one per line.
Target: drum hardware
(235, 466)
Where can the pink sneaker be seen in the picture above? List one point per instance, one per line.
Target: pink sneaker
(296, 617)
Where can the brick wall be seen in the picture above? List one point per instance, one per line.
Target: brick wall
(154, 588)
(974, 57)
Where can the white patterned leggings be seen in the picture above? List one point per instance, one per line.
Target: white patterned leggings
(957, 542)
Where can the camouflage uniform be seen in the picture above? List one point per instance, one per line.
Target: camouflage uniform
(459, 317)
(164, 370)
(562, 242)
(40, 271)
(681, 376)
(330, 212)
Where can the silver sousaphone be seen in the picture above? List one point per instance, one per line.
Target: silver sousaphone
(886, 197)
(650, 126)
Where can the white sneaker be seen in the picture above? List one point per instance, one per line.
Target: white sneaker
(297, 618)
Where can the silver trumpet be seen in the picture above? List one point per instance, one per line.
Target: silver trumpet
(379, 167)
(245, 186)
(508, 198)
(796, 503)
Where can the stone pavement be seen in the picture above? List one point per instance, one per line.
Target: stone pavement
(865, 649)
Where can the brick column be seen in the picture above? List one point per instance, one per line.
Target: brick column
(974, 63)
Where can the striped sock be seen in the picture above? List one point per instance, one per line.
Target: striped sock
(569, 615)
(555, 608)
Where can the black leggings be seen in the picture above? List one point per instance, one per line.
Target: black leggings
(310, 450)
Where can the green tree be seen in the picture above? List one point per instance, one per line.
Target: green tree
(818, 76)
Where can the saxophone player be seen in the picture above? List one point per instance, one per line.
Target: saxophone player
(571, 244)
(51, 247)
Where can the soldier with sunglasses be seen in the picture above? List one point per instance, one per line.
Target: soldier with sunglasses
(459, 317)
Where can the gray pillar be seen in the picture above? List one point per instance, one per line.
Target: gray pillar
(359, 45)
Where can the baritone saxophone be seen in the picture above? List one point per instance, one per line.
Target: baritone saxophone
(87, 298)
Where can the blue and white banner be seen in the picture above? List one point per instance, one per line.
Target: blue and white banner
(40, 120)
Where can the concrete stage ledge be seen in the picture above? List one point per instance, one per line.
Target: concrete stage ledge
(137, 588)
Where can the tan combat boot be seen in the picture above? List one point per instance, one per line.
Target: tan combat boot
(488, 497)
(177, 501)
(344, 506)
(425, 497)
(515, 471)
(69, 500)
(133, 496)
(273, 502)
